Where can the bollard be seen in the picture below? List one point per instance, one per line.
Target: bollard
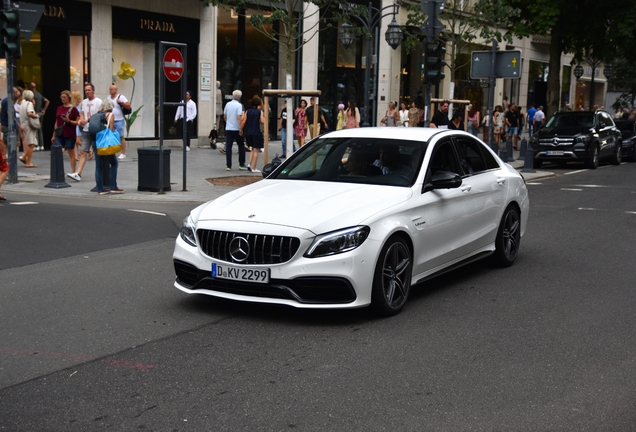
(503, 153)
(522, 149)
(494, 146)
(509, 150)
(57, 168)
(529, 160)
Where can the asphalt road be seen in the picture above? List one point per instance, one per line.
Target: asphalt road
(94, 337)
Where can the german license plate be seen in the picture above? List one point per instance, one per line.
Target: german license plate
(243, 274)
(554, 153)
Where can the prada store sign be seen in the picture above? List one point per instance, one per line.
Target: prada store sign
(143, 25)
(68, 14)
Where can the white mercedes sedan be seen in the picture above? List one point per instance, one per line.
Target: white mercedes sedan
(356, 218)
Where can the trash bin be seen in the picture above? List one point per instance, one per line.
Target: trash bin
(148, 163)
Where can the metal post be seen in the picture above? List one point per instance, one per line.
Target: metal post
(493, 82)
(11, 140)
(367, 79)
(592, 85)
(184, 89)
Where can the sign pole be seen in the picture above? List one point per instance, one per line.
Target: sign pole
(493, 82)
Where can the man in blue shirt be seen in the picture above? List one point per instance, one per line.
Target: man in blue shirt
(531, 111)
(233, 116)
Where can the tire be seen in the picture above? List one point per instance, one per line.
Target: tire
(508, 238)
(392, 277)
(617, 157)
(592, 162)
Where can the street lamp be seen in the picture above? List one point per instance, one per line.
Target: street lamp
(593, 63)
(393, 37)
(608, 71)
(578, 72)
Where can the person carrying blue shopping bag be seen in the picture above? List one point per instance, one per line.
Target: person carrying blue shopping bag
(108, 143)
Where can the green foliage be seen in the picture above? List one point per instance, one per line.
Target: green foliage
(130, 119)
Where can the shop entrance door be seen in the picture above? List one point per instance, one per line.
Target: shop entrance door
(259, 75)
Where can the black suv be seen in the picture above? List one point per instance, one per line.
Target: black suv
(577, 136)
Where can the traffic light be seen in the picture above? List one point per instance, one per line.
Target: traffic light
(11, 32)
(435, 63)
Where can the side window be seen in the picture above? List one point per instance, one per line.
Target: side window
(444, 159)
(473, 157)
(607, 119)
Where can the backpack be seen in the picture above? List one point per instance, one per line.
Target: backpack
(124, 111)
(97, 123)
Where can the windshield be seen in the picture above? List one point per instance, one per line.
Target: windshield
(571, 120)
(356, 160)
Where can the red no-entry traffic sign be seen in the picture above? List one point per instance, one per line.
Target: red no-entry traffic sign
(173, 64)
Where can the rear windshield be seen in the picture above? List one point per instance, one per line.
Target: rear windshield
(356, 160)
(571, 120)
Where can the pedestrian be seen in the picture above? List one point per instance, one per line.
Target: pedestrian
(309, 113)
(41, 105)
(191, 114)
(17, 104)
(531, 111)
(4, 166)
(66, 115)
(473, 120)
(27, 110)
(404, 115)
(76, 101)
(414, 115)
(5, 114)
(392, 116)
(539, 119)
(119, 101)
(341, 121)
(521, 120)
(486, 126)
(107, 107)
(234, 122)
(353, 115)
(90, 106)
(300, 125)
(440, 119)
(512, 122)
(498, 123)
(457, 121)
(254, 118)
(282, 127)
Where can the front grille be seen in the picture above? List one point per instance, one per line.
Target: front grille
(555, 141)
(261, 249)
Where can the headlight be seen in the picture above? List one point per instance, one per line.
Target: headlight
(580, 139)
(337, 242)
(187, 232)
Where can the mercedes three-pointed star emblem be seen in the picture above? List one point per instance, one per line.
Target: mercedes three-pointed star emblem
(239, 249)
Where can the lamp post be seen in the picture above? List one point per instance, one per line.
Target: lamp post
(593, 63)
(393, 37)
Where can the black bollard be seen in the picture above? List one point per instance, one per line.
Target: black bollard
(509, 150)
(503, 153)
(494, 146)
(57, 168)
(522, 150)
(528, 161)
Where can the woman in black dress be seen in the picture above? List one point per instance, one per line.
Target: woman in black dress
(253, 136)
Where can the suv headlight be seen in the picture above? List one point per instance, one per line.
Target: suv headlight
(580, 139)
(187, 232)
(337, 242)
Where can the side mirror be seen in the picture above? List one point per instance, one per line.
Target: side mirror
(444, 180)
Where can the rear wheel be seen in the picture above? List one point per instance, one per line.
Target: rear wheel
(508, 237)
(392, 278)
(592, 162)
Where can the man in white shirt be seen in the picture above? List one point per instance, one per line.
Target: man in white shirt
(233, 116)
(191, 114)
(118, 101)
(539, 119)
(89, 106)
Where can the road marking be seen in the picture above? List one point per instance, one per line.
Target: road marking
(592, 186)
(630, 212)
(590, 209)
(534, 184)
(574, 190)
(24, 203)
(574, 172)
(147, 212)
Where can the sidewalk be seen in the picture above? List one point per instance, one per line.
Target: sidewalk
(201, 163)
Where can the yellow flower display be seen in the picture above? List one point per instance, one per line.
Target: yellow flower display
(126, 71)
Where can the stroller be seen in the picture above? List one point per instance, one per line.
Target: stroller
(213, 137)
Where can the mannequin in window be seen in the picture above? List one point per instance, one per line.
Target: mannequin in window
(219, 107)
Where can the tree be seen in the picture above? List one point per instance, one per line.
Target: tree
(584, 27)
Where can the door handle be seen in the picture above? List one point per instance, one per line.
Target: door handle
(501, 180)
(465, 188)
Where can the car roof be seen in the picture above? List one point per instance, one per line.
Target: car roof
(404, 133)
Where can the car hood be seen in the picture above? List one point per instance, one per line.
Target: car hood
(562, 131)
(315, 206)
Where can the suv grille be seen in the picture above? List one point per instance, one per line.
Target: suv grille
(555, 141)
(254, 248)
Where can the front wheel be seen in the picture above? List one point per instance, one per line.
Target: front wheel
(592, 162)
(508, 238)
(392, 277)
(617, 158)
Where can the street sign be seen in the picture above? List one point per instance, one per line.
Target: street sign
(30, 15)
(507, 64)
(173, 64)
